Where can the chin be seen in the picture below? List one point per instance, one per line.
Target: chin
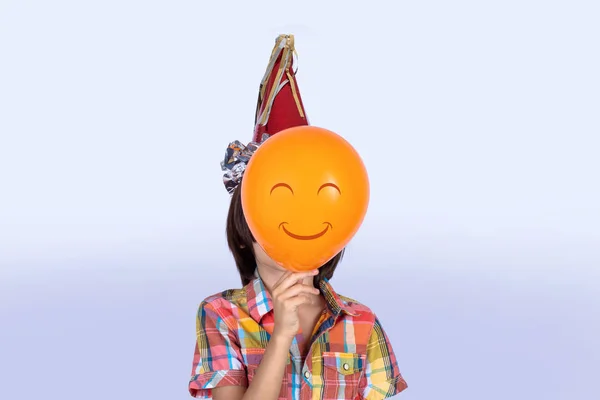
(272, 266)
(279, 268)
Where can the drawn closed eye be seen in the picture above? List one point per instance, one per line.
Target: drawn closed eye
(333, 185)
(285, 185)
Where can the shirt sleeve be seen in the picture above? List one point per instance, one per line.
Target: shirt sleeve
(217, 357)
(382, 378)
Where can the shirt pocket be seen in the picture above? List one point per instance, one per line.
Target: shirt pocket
(253, 358)
(341, 374)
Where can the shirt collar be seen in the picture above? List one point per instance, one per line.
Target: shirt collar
(260, 303)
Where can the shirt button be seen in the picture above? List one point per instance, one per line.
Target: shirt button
(307, 374)
(346, 367)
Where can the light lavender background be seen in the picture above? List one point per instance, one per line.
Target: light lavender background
(478, 122)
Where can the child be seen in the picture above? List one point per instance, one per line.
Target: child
(285, 335)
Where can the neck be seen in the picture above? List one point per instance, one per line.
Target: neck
(270, 276)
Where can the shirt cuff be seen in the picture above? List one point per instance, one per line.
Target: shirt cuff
(200, 385)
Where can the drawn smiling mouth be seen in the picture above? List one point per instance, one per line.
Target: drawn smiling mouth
(308, 237)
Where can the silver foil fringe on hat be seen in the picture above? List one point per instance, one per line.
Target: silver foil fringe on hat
(236, 159)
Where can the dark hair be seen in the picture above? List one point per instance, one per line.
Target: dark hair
(240, 241)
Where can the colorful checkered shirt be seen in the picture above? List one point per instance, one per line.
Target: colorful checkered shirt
(350, 356)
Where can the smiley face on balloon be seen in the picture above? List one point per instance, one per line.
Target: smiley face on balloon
(305, 195)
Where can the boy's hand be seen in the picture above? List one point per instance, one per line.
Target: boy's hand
(287, 295)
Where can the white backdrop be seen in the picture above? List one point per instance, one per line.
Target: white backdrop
(477, 121)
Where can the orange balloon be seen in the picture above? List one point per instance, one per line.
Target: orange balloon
(305, 193)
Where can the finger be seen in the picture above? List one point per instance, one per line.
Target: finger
(277, 287)
(297, 289)
(281, 278)
(297, 301)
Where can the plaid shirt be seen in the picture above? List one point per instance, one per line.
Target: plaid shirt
(350, 356)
